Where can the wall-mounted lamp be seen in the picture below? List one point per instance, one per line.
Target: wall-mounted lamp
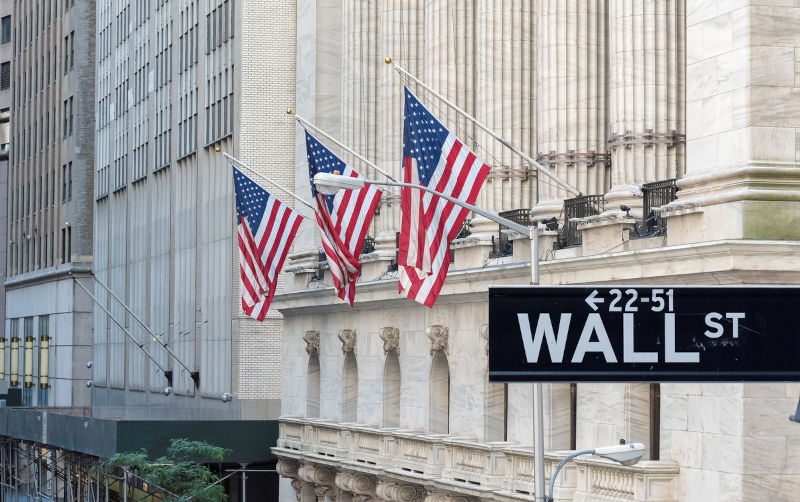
(14, 374)
(44, 361)
(28, 369)
(226, 396)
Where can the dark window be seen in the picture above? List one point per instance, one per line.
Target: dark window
(6, 29)
(5, 75)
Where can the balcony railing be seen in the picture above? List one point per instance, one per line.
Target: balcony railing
(496, 470)
(579, 207)
(502, 246)
(657, 194)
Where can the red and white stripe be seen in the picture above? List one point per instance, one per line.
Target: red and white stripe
(261, 255)
(430, 223)
(343, 233)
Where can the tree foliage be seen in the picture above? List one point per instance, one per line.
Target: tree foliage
(179, 475)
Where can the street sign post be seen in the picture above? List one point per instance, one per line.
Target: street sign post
(644, 334)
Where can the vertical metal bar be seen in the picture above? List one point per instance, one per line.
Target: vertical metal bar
(244, 483)
(125, 485)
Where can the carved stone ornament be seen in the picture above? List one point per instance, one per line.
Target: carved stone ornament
(356, 483)
(298, 489)
(443, 497)
(485, 335)
(287, 468)
(312, 341)
(348, 338)
(391, 339)
(321, 491)
(438, 336)
(395, 492)
(316, 475)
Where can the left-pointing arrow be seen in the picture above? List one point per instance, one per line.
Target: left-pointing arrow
(592, 300)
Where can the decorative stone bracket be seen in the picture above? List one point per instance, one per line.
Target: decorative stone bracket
(358, 484)
(312, 341)
(349, 341)
(439, 338)
(391, 340)
(394, 492)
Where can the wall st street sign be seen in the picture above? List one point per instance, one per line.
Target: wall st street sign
(646, 334)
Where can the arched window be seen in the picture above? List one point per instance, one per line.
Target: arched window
(391, 391)
(440, 394)
(312, 389)
(350, 389)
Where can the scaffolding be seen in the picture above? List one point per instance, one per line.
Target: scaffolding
(31, 472)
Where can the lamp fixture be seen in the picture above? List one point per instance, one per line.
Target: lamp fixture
(329, 184)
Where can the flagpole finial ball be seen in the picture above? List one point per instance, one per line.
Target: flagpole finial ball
(289, 111)
(218, 149)
(388, 60)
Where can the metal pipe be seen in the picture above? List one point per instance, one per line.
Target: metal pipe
(306, 123)
(492, 216)
(279, 187)
(141, 346)
(569, 188)
(562, 464)
(136, 318)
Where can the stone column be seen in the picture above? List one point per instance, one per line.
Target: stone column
(506, 102)
(401, 38)
(743, 118)
(646, 69)
(361, 66)
(571, 104)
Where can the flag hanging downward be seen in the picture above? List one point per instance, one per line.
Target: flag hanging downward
(266, 230)
(344, 218)
(435, 158)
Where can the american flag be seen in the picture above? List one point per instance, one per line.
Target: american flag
(430, 223)
(344, 218)
(266, 230)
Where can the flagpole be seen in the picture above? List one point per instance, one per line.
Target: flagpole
(569, 188)
(538, 418)
(305, 123)
(279, 187)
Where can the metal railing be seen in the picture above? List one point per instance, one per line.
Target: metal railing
(502, 246)
(579, 207)
(657, 194)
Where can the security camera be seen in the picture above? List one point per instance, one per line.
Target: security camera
(226, 396)
(636, 190)
(89, 383)
(550, 223)
(627, 210)
(167, 391)
(89, 364)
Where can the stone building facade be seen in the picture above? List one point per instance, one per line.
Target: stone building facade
(49, 209)
(175, 80)
(694, 100)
